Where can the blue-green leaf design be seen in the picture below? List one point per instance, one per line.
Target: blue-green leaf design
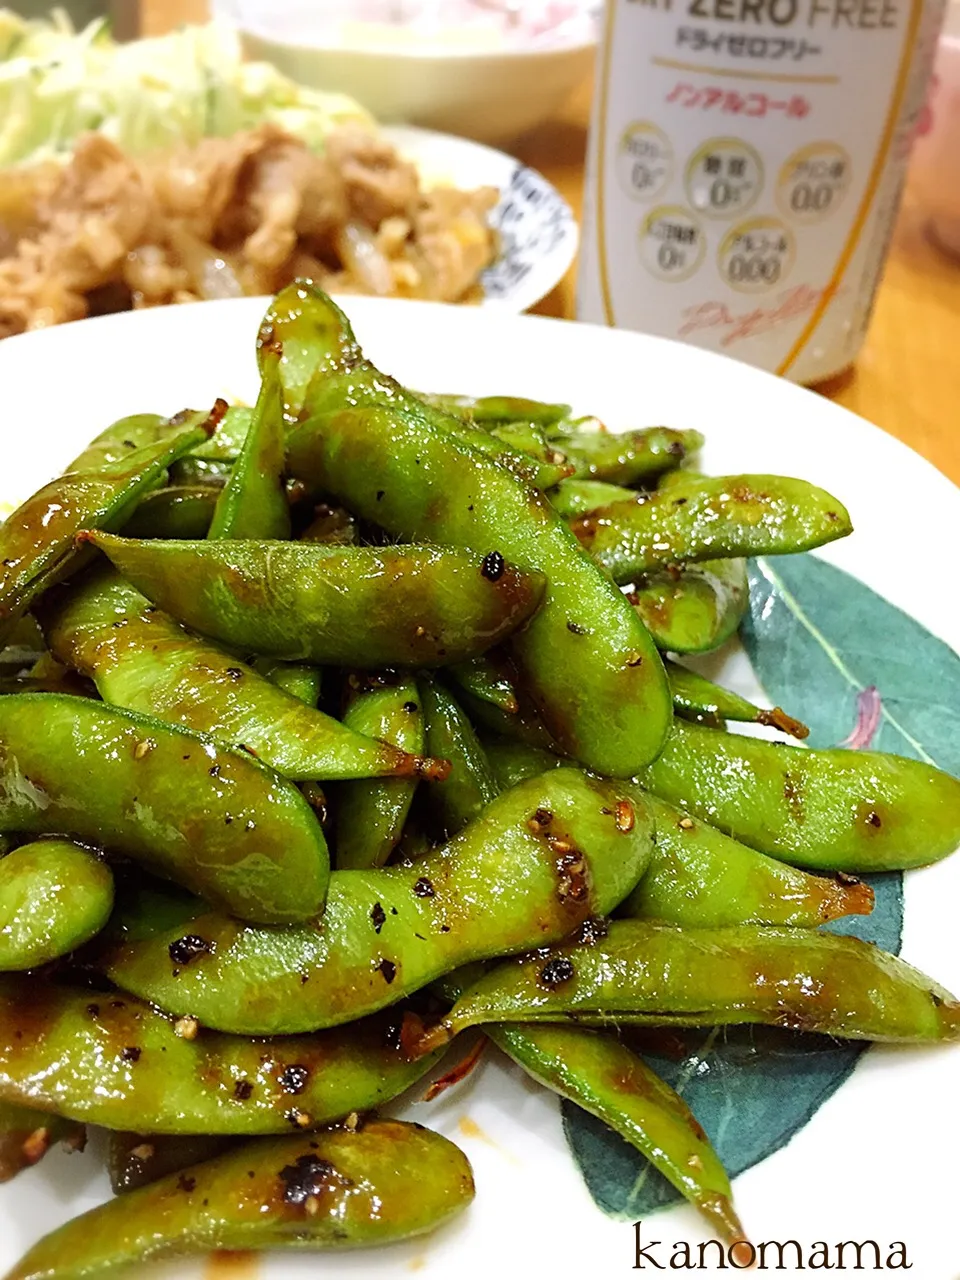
(857, 670)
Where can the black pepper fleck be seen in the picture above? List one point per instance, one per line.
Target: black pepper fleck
(424, 888)
(187, 948)
(308, 1176)
(242, 1090)
(388, 969)
(131, 1053)
(293, 1079)
(556, 972)
(493, 566)
(378, 916)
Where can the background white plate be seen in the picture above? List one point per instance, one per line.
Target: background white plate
(538, 232)
(879, 1159)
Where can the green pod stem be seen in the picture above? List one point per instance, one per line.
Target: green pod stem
(253, 502)
(700, 878)
(189, 809)
(338, 1189)
(54, 896)
(176, 512)
(489, 678)
(709, 519)
(191, 472)
(470, 785)
(831, 810)
(371, 814)
(227, 441)
(694, 609)
(647, 973)
(142, 660)
(124, 437)
(495, 410)
(552, 852)
(628, 457)
(111, 1060)
(337, 606)
(26, 1135)
(696, 695)
(575, 497)
(136, 1159)
(586, 659)
(589, 662)
(608, 1080)
(299, 679)
(37, 542)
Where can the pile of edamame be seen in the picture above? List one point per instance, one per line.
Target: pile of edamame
(431, 641)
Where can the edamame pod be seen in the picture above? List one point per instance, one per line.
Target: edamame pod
(834, 810)
(626, 458)
(212, 819)
(490, 678)
(342, 606)
(603, 1076)
(253, 502)
(698, 696)
(496, 409)
(37, 540)
(575, 497)
(301, 680)
(711, 518)
(175, 512)
(137, 1159)
(26, 1135)
(552, 852)
(125, 436)
(693, 609)
(700, 878)
(108, 1059)
(470, 785)
(648, 973)
(338, 1189)
(191, 471)
(54, 896)
(371, 814)
(588, 661)
(142, 660)
(227, 441)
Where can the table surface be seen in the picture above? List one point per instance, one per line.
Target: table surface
(907, 377)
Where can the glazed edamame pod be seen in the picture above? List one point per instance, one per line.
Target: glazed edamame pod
(697, 695)
(176, 512)
(125, 436)
(26, 1135)
(137, 1159)
(371, 814)
(514, 762)
(491, 678)
(700, 878)
(253, 503)
(470, 785)
(227, 441)
(574, 497)
(142, 660)
(551, 853)
(299, 679)
(626, 457)
(54, 896)
(108, 1059)
(604, 697)
(695, 609)
(648, 973)
(191, 472)
(337, 1189)
(342, 606)
(496, 409)
(603, 1076)
(714, 517)
(214, 820)
(523, 724)
(37, 540)
(832, 810)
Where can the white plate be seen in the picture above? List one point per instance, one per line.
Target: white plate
(878, 1160)
(538, 232)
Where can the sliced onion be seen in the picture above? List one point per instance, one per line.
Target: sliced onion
(361, 255)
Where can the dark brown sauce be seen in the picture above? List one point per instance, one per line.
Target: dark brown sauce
(232, 1264)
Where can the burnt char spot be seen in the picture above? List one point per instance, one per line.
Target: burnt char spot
(378, 916)
(556, 972)
(493, 566)
(540, 820)
(294, 1078)
(410, 707)
(874, 818)
(131, 1053)
(424, 888)
(234, 673)
(242, 1090)
(214, 771)
(594, 929)
(187, 948)
(388, 969)
(575, 628)
(186, 1184)
(308, 1176)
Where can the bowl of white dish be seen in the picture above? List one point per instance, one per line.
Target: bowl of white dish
(484, 69)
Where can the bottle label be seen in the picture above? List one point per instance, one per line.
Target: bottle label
(745, 165)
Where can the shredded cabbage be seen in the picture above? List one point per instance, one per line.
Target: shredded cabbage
(55, 83)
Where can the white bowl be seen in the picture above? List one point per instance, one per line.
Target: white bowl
(488, 96)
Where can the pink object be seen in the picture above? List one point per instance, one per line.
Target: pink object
(935, 166)
(869, 710)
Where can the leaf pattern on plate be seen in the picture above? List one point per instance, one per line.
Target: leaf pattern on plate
(861, 673)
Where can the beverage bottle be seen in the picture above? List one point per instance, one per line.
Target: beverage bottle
(745, 167)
